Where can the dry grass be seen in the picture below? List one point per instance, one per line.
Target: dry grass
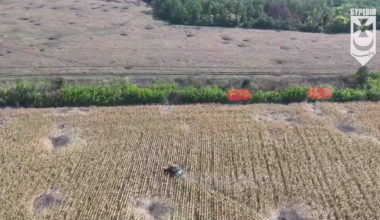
(237, 167)
(92, 39)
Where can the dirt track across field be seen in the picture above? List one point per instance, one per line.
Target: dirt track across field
(93, 39)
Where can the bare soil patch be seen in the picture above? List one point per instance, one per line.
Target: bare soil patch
(46, 200)
(226, 38)
(183, 126)
(3, 122)
(277, 116)
(60, 141)
(285, 48)
(63, 110)
(290, 213)
(84, 109)
(167, 109)
(270, 136)
(313, 108)
(151, 209)
(349, 111)
(69, 111)
(61, 126)
(243, 45)
(61, 137)
(149, 27)
(346, 127)
(278, 61)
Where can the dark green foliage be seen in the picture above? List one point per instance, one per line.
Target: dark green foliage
(58, 83)
(331, 16)
(245, 84)
(39, 95)
(362, 75)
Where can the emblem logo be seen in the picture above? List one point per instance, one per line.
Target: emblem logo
(363, 34)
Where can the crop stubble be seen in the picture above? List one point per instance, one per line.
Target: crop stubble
(236, 166)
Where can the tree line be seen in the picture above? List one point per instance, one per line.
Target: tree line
(58, 94)
(328, 16)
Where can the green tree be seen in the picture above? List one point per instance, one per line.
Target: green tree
(362, 75)
(194, 11)
(339, 24)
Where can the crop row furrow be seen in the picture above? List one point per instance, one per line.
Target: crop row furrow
(310, 172)
(251, 165)
(324, 153)
(350, 194)
(125, 193)
(127, 157)
(69, 193)
(318, 169)
(371, 211)
(270, 169)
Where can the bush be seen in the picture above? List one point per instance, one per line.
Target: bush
(294, 94)
(58, 83)
(362, 75)
(37, 95)
(339, 24)
(348, 95)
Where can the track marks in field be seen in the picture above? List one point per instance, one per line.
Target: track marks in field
(331, 170)
(273, 170)
(168, 109)
(3, 122)
(347, 111)
(277, 116)
(63, 110)
(316, 111)
(290, 212)
(318, 167)
(357, 176)
(349, 129)
(151, 209)
(69, 111)
(86, 168)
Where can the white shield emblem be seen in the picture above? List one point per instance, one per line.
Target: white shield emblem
(363, 44)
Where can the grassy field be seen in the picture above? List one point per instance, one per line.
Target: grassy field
(241, 162)
(94, 40)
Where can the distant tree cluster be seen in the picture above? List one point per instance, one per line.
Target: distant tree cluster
(331, 16)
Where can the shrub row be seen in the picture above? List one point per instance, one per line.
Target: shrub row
(56, 94)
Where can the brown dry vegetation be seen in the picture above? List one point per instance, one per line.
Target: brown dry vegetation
(96, 39)
(236, 166)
